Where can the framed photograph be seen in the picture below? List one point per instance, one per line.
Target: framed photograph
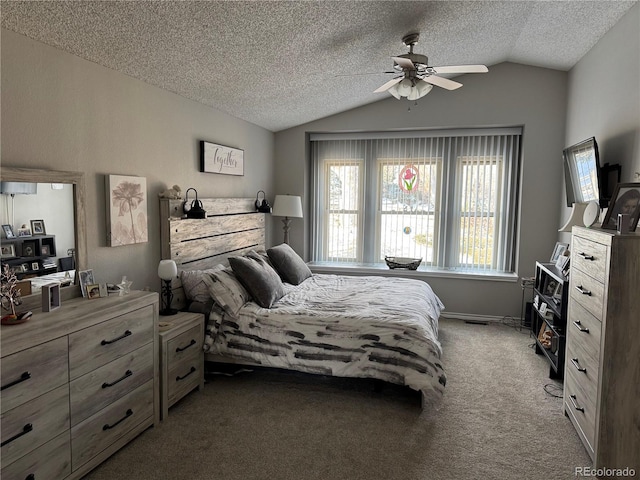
(50, 297)
(126, 210)
(93, 290)
(216, 158)
(35, 266)
(562, 261)
(29, 249)
(8, 250)
(45, 250)
(24, 267)
(24, 232)
(86, 278)
(626, 200)
(543, 308)
(37, 227)
(559, 249)
(8, 231)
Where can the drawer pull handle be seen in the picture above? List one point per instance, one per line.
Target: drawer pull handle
(583, 290)
(580, 327)
(124, 335)
(577, 365)
(23, 377)
(128, 373)
(182, 349)
(575, 403)
(126, 415)
(26, 429)
(586, 256)
(191, 370)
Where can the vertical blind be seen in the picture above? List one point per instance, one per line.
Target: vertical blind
(448, 197)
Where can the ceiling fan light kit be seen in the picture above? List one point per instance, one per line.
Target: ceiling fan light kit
(418, 77)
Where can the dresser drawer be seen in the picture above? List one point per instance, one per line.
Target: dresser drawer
(587, 292)
(50, 461)
(584, 329)
(589, 257)
(98, 432)
(183, 377)
(98, 345)
(581, 405)
(97, 389)
(186, 344)
(582, 362)
(32, 372)
(34, 423)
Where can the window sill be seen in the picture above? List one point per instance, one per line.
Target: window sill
(422, 272)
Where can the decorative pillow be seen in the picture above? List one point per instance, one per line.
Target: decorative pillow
(194, 287)
(226, 290)
(259, 278)
(288, 264)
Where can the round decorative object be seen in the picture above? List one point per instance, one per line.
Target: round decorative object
(591, 213)
(406, 230)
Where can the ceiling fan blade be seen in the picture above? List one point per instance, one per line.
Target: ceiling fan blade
(442, 82)
(388, 85)
(461, 69)
(404, 62)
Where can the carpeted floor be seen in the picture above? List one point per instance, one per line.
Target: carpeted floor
(497, 421)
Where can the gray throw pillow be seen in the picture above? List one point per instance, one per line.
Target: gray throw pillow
(288, 264)
(261, 281)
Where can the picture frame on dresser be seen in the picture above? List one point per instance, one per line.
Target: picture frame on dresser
(624, 200)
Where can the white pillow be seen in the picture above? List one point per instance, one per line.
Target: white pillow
(226, 290)
(194, 287)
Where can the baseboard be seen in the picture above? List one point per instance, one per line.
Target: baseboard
(471, 317)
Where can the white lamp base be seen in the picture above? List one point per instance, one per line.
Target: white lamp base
(576, 217)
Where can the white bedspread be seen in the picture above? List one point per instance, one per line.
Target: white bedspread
(369, 327)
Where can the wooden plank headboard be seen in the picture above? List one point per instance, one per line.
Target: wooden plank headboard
(232, 227)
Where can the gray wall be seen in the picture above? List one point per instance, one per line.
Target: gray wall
(510, 94)
(64, 113)
(604, 99)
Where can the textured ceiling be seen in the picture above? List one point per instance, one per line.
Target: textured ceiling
(280, 64)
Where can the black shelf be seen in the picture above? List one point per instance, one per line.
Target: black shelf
(550, 293)
(29, 251)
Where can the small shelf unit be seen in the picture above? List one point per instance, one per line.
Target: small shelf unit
(550, 292)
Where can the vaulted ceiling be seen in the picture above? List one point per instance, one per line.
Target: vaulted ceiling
(280, 64)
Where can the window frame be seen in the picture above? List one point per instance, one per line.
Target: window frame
(447, 213)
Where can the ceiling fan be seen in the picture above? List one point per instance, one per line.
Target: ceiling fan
(417, 77)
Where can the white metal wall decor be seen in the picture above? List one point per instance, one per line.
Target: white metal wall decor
(220, 159)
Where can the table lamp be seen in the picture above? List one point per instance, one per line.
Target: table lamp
(167, 271)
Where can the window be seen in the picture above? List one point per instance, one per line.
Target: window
(449, 198)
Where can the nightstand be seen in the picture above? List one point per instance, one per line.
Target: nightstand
(181, 357)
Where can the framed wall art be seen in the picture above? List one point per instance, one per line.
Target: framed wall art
(126, 210)
(216, 158)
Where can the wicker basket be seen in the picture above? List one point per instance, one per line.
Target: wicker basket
(402, 262)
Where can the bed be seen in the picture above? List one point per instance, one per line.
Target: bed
(385, 328)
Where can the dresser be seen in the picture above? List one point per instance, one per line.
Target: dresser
(78, 383)
(602, 370)
(181, 357)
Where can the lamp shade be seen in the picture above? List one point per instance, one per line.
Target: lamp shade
(287, 206)
(167, 269)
